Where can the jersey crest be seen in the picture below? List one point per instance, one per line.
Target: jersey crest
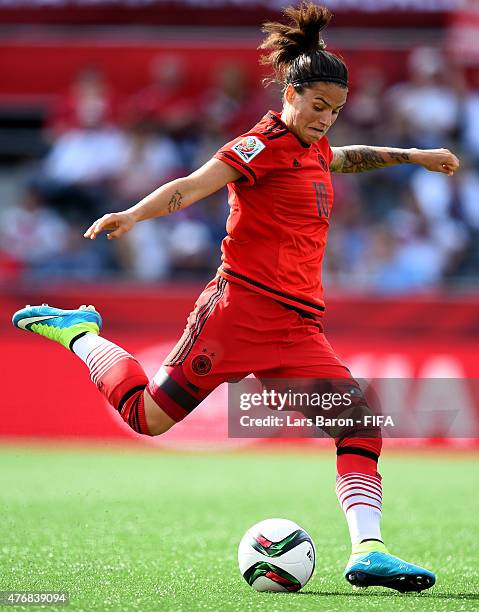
(248, 148)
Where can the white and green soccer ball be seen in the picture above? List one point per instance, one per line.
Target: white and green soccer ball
(276, 555)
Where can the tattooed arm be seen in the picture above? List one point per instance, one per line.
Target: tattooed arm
(361, 158)
(167, 199)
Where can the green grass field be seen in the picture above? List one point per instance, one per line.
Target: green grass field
(128, 530)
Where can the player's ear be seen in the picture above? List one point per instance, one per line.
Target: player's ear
(289, 94)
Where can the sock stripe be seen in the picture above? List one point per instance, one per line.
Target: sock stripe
(357, 480)
(105, 363)
(133, 412)
(355, 450)
(362, 504)
(109, 364)
(97, 360)
(360, 496)
(350, 475)
(356, 489)
(118, 376)
(127, 396)
(97, 373)
(103, 360)
(343, 499)
(358, 484)
(343, 488)
(361, 486)
(373, 481)
(98, 351)
(132, 417)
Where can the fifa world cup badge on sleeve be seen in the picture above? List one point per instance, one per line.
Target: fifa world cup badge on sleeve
(248, 148)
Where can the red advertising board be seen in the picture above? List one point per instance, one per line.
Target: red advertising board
(47, 392)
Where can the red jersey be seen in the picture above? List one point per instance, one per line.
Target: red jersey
(279, 219)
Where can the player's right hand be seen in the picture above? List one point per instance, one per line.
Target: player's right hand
(120, 223)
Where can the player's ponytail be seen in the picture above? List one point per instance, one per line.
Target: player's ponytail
(297, 50)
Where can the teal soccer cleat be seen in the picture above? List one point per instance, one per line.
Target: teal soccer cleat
(63, 326)
(382, 569)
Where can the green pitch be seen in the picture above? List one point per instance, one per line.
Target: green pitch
(128, 530)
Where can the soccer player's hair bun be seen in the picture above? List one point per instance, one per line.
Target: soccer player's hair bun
(300, 36)
(296, 51)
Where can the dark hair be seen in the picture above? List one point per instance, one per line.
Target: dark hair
(298, 53)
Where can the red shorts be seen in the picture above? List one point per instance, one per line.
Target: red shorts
(233, 332)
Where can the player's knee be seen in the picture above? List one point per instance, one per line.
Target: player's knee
(158, 422)
(157, 427)
(142, 414)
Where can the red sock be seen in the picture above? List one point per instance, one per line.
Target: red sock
(358, 455)
(345, 464)
(121, 379)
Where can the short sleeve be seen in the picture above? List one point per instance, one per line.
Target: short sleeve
(250, 154)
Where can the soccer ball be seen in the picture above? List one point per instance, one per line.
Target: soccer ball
(276, 555)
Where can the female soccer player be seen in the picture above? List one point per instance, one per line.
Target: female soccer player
(262, 312)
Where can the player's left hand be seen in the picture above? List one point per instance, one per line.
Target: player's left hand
(436, 160)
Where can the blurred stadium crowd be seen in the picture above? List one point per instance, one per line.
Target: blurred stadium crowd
(396, 230)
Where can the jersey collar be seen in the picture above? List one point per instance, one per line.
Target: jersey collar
(276, 117)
